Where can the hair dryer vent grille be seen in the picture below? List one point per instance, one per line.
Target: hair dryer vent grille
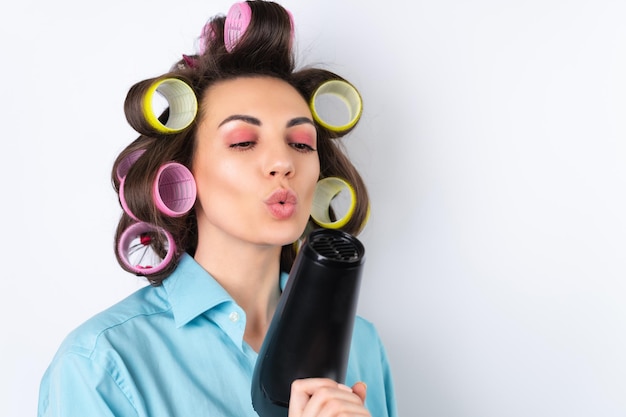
(335, 247)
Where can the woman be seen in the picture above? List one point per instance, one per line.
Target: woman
(254, 152)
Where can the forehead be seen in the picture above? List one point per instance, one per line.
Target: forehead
(253, 95)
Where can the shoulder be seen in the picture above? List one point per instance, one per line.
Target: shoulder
(136, 310)
(92, 359)
(366, 345)
(365, 331)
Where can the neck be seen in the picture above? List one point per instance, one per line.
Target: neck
(250, 274)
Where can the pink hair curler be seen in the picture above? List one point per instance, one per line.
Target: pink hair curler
(206, 37)
(135, 250)
(174, 189)
(126, 163)
(123, 202)
(237, 21)
(122, 171)
(293, 35)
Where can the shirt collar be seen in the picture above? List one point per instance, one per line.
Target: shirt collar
(284, 277)
(192, 290)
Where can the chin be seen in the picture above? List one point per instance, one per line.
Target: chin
(282, 235)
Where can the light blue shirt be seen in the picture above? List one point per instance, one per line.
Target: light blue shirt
(178, 350)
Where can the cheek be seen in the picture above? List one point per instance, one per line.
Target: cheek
(212, 175)
(310, 181)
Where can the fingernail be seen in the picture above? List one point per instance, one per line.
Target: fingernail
(345, 387)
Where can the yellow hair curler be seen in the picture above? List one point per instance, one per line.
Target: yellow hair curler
(325, 191)
(182, 102)
(327, 102)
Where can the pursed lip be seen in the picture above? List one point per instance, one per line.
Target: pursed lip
(281, 203)
(282, 196)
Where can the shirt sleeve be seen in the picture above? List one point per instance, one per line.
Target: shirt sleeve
(75, 386)
(369, 363)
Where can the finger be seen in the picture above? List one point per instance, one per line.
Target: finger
(332, 402)
(326, 398)
(301, 392)
(360, 389)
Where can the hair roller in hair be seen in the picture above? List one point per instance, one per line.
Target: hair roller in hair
(206, 37)
(311, 331)
(122, 170)
(182, 106)
(136, 248)
(237, 21)
(336, 105)
(123, 202)
(328, 190)
(124, 166)
(174, 189)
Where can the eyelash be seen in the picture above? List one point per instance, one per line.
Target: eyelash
(302, 147)
(243, 146)
(248, 145)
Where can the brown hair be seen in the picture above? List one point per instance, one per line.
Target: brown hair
(264, 50)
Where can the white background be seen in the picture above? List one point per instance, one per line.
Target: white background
(493, 142)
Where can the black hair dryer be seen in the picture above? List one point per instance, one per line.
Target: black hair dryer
(311, 330)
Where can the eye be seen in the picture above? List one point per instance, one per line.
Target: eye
(242, 145)
(241, 139)
(303, 141)
(302, 147)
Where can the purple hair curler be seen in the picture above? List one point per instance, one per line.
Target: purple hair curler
(237, 21)
(135, 250)
(174, 189)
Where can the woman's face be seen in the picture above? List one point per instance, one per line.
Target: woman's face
(255, 162)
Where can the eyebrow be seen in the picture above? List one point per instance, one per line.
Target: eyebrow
(300, 121)
(256, 122)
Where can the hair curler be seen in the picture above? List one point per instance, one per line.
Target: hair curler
(174, 189)
(311, 331)
(336, 105)
(136, 252)
(326, 190)
(236, 23)
(182, 106)
(122, 169)
(127, 162)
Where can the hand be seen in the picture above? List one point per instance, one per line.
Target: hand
(322, 397)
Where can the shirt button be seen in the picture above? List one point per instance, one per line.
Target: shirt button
(234, 317)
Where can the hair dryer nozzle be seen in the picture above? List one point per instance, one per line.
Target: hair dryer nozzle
(311, 330)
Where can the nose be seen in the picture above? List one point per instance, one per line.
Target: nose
(280, 162)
